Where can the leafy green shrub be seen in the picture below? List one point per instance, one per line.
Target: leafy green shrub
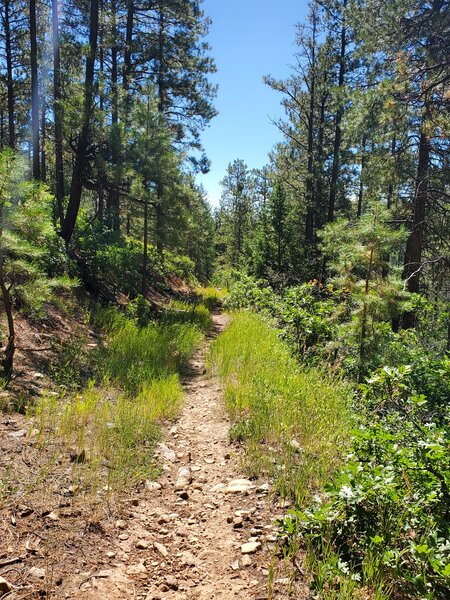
(386, 514)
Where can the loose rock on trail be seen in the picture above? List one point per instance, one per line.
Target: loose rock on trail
(201, 531)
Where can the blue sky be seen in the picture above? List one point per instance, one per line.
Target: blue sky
(249, 39)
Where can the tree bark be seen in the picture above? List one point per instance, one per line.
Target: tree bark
(81, 158)
(114, 196)
(34, 92)
(57, 115)
(414, 245)
(145, 256)
(361, 178)
(310, 187)
(43, 138)
(127, 58)
(339, 115)
(9, 77)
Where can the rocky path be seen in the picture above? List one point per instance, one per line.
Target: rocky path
(202, 531)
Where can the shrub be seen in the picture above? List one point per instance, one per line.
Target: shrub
(385, 516)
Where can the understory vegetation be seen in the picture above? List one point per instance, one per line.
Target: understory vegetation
(367, 464)
(112, 423)
(333, 258)
(294, 421)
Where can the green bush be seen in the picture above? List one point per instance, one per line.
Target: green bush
(385, 516)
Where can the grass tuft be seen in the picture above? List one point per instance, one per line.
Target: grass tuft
(293, 421)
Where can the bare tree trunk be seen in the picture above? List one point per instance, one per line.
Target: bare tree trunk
(310, 183)
(339, 114)
(414, 245)
(9, 77)
(43, 138)
(361, 178)
(81, 159)
(114, 196)
(57, 115)
(127, 58)
(34, 92)
(145, 256)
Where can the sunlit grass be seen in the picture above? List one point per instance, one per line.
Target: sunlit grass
(211, 296)
(178, 311)
(114, 422)
(294, 421)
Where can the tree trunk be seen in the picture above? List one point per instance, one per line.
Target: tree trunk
(57, 115)
(361, 178)
(43, 138)
(114, 196)
(7, 361)
(127, 58)
(310, 187)
(339, 115)
(34, 92)
(81, 159)
(9, 77)
(414, 245)
(144, 258)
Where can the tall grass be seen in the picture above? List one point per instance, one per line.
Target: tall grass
(294, 421)
(114, 422)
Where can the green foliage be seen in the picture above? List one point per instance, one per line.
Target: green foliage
(178, 311)
(119, 264)
(385, 515)
(114, 420)
(33, 260)
(72, 364)
(294, 422)
(135, 356)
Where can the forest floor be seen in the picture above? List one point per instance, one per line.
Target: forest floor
(200, 531)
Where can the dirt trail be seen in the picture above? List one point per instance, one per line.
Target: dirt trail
(182, 538)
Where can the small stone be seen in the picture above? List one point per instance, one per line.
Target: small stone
(238, 486)
(5, 586)
(246, 560)
(167, 453)
(123, 537)
(53, 516)
(139, 569)
(209, 461)
(18, 434)
(161, 549)
(152, 486)
(235, 565)
(187, 558)
(120, 524)
(184, 478)
(111, 554)
(142, 544)
(172, 582)
(250, 547)
(238, 522)
(37, 573)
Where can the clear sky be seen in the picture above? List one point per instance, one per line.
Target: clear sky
(249, 39)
